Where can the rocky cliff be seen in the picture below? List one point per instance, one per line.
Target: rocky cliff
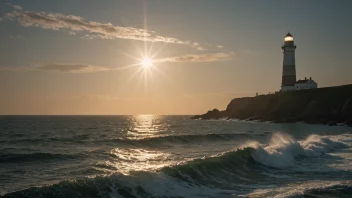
(329, 105)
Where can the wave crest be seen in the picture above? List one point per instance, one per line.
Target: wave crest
(238, 171)
(282, 150)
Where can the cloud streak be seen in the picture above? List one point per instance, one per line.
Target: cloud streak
(75, 24)
(86, 68)
(199, 58)
(15, 7)
(72, 68)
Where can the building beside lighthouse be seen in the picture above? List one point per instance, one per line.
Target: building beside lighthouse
(289, 81)
(306, 84)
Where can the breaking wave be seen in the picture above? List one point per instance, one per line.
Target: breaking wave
(236, 171)
(283, 150)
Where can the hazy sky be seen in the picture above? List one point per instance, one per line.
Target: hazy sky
(81, 57)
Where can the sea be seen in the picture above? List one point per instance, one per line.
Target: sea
(171, 156)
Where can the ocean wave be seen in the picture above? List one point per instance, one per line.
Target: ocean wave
(283, 150)
(184, 138)
(31, 157)
(232, 167)
(181, 139)
(237, 171)
(254, 161)
(307, 189)
(156, 185)
(138, 184)
(71, 139)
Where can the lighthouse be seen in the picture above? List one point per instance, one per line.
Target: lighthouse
(289, 65)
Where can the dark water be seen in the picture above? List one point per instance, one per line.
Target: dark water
(171, 156)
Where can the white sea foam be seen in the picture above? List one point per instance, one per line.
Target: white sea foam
(282, 150)
(297, 190)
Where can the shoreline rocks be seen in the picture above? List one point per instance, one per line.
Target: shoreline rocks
(330, 106)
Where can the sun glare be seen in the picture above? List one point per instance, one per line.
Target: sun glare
(147, 62)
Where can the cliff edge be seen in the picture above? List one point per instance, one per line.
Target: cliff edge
(329, 105)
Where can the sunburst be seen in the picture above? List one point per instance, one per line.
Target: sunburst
(146, 62)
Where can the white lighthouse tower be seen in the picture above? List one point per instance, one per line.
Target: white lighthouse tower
(289, 65)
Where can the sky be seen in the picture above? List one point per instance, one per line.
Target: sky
(84, 57)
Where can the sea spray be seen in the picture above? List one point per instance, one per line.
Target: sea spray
(282, 150)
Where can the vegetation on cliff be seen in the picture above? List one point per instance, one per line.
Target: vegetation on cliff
(324, 105)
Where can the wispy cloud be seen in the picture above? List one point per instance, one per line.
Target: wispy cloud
(58, 67)
(87, 68)
(72, 68)
(199, 58)
(15, 7)
(75, 24)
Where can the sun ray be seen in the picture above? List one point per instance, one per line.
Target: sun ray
(145, 25)
(159, 50)
(150, 50)
(145, 75)
(134, 74)
(166, 77)
(128, 66)
(145, 67)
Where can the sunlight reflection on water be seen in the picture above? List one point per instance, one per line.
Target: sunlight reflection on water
(143, 126)
(124, 160)
(127, 160)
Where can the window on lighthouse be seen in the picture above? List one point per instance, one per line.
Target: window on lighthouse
(288, 38)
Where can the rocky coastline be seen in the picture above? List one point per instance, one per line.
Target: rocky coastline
(330, 106)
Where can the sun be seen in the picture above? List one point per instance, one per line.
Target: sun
(147, 62)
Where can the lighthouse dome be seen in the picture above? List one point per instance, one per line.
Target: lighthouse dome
(288, 37)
